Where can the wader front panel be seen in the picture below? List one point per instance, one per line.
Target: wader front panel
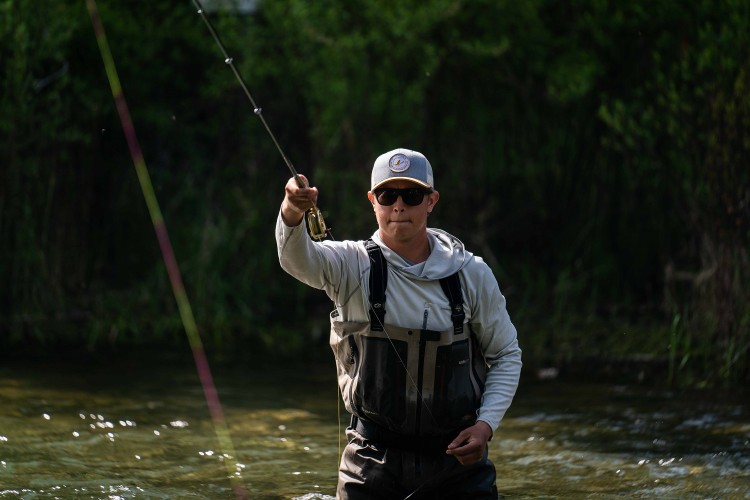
(410, 381)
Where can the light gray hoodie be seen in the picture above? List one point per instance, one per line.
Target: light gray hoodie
(414, 298)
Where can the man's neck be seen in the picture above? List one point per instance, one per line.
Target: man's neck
(414, 251)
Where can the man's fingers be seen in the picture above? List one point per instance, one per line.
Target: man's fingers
(301, 197)
(468, 447)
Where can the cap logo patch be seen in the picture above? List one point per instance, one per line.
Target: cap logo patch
(399, 162)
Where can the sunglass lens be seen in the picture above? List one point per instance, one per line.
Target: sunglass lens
(387, 197)
(412, 197)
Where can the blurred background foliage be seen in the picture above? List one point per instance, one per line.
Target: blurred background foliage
(595, 153)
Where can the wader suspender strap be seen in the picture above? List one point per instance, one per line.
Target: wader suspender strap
(452, 288)
(379, 280)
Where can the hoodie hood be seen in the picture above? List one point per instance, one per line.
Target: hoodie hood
(447, 256)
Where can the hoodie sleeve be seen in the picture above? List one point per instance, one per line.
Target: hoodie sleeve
(333, 266)
(298, 256)
(498, 340)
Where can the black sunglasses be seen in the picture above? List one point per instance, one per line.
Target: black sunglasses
(411, 196)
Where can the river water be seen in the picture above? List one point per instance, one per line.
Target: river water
(137, 428)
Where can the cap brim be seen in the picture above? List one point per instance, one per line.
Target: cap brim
(408, 179)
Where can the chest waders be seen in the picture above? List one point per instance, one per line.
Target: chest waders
(406, 387)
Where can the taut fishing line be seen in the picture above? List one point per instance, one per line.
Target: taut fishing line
(315, 224)
(228, 455)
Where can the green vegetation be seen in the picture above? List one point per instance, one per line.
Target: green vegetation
(595, 153)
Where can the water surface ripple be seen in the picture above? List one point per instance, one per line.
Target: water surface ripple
(140, 429)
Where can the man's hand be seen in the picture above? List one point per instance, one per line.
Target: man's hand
(471, 443)
(297, 200)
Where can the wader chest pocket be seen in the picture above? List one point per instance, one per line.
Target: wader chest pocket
(381, 389)
(455, 398)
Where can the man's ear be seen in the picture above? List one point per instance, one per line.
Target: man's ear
(432, 201)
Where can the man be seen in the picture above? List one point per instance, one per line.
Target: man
(427, 357)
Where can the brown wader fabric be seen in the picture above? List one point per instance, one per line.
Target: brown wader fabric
(394, 381)
(370, 472)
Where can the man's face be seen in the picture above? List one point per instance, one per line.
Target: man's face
(401, 223)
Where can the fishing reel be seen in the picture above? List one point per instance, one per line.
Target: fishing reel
(316, 226)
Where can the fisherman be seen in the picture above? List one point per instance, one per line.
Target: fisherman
(427, 357)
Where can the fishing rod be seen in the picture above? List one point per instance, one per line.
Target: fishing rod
(316, 226)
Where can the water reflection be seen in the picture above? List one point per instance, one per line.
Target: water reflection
(131, 429)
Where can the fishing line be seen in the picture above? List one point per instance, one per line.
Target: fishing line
(317, 227)
(315, 224)
(201, 362)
